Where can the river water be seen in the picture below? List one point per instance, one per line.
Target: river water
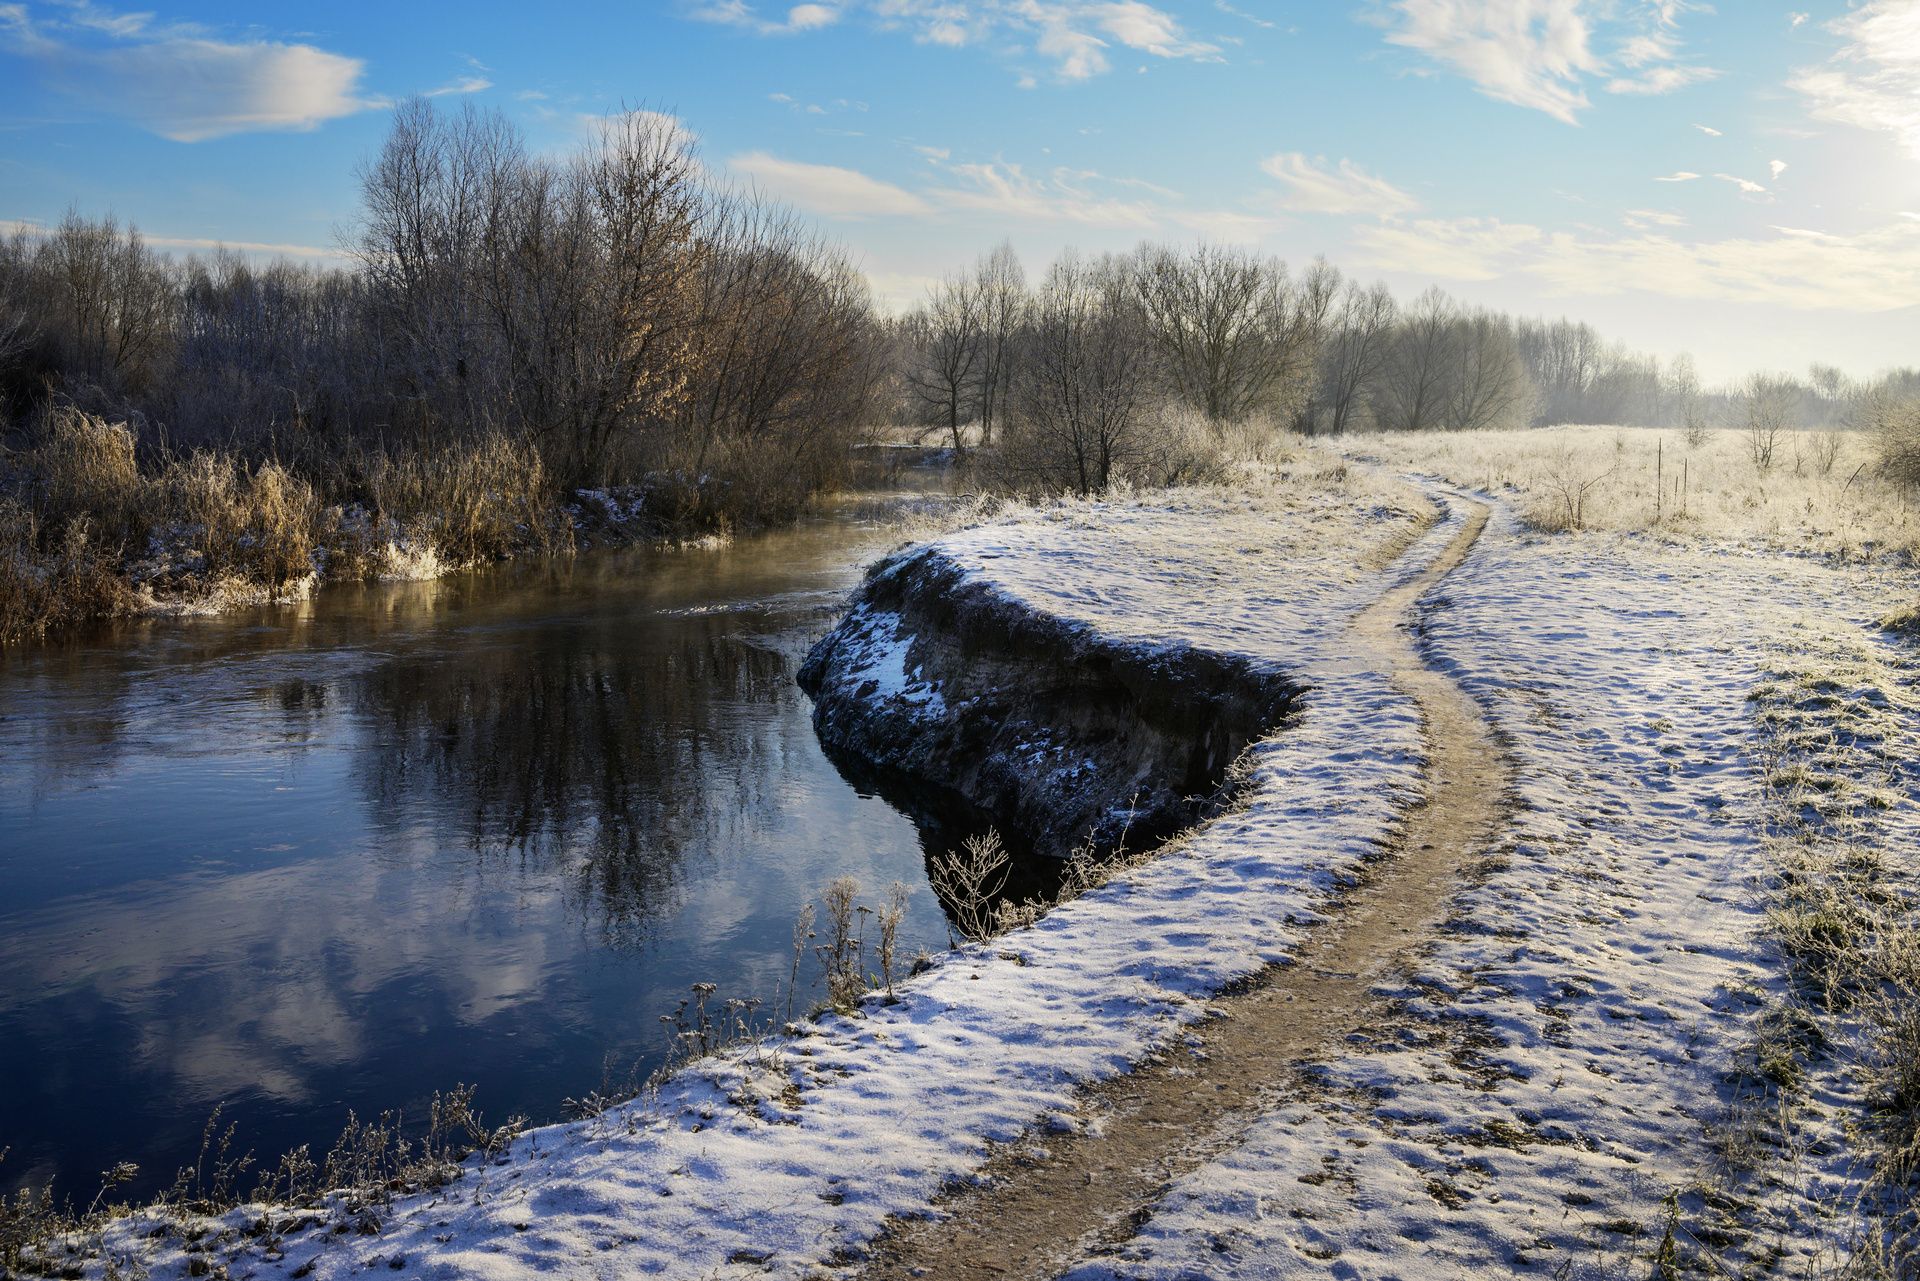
(342, 854)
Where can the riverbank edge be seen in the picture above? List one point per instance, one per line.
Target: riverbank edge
(687, 1103)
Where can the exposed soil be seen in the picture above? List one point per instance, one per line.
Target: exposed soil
(1034, 1213)
(1058, 732)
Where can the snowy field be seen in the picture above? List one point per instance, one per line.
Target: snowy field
(1819, 493)
(1544, 1094)
(1568, 1058)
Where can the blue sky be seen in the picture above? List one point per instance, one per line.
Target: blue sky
(1529, 154)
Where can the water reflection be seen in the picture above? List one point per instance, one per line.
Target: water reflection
(345, 853)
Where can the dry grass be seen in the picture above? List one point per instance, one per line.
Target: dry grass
(89, 529)
(1824, 492)
(1845, 917)
(369, 1164)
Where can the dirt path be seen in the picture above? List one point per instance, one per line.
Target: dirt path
(1030, 1219)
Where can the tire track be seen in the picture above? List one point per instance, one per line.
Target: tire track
(1031, 1218)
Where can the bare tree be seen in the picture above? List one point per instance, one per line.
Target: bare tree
(1003, 307)
(1767, 404)
(1489, 387)
(1085, 399)
(1420, 364)
(950, 341)
(1356, 353)
(112, 303)
(1237, 336)
(1683, 390)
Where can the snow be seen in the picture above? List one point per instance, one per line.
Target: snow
(786, 1155)
(1527, 1098)
(1559, 1065)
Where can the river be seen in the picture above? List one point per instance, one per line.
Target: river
(337, 855)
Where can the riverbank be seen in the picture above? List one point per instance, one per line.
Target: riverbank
(91, 530)
(1023, 1022)
(1564, 1070)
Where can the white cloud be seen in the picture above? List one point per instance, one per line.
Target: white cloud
(1777, 167)
(811, 17)
(1314, 188)
(1531, 53)
(1873, 82)
(1461, 249)
(1659, 80)
(195, 244)
(826, 189)
(1141, 26)
(465, 84)
(1076, 37)
(738, 13)
(1227, 226)
(1710, 131)
(1008, 191)
(1255, 19)
(1643, 219)
(1679, 175)
(1747, 186)
(1539, 53)
(1797, 20)
(179, 82)
(1872, 271)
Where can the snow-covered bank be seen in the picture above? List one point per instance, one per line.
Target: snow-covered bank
(1061, 732)
(1567, 1058)
(791, 1154)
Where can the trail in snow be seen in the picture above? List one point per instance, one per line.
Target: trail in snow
(1033, 1213)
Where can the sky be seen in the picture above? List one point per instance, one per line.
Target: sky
(1740, 181)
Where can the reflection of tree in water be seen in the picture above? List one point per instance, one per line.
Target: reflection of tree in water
(608, 755)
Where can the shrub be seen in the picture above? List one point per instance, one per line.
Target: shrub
(1895, 425)
(45, 587)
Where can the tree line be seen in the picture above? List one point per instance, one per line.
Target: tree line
(620, 316)
(617, 311)
(1105, 364)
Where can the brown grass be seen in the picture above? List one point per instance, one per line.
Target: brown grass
(89, 528)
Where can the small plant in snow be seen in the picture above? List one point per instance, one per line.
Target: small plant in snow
(969, 881)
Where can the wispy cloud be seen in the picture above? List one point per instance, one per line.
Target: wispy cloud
(1009, 191)
(1709, 130)
(1659, 80)
(1679, 175)
(1539, 54)
(195, 244)
(1531, 53)
(738, 13)
(1873, 81)
(1243, 15)
(1646, 219)
(1747, 186)
(178, 81)
(826, 189)
(465, 84)
(1872, 271)
(1313, 187)
(1454, 249)
(1076, 38)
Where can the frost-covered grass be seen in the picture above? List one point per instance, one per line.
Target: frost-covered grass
(1567, 1082)
(1822, 493)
